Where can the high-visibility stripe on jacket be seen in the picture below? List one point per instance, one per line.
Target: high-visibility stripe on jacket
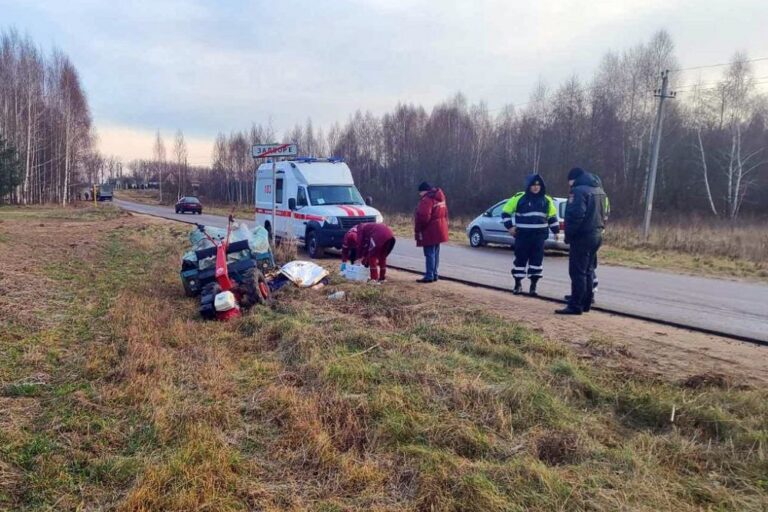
(532, 214)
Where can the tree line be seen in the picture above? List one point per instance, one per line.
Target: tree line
(713, 157)
(714, 154)
(46, 141)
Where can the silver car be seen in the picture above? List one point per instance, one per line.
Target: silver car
(489, 229)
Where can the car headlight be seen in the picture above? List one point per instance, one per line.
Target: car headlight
(379, 218)
(332, 220)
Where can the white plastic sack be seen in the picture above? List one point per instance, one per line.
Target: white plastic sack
(304, 273)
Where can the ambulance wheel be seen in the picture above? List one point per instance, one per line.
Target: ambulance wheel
(254, 289)
(314, 249)
(476, 238)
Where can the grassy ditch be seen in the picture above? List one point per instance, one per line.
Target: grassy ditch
(116, 396)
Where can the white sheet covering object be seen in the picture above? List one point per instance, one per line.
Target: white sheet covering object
(303, 273)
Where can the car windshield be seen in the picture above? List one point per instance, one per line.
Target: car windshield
(190, 200)
(334, 194)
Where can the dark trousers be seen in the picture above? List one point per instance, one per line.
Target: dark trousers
(582, 258)
(529, 256)
(432, 257)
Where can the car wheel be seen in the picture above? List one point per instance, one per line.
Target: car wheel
(476, 238)
(313, 246)
(177, 211)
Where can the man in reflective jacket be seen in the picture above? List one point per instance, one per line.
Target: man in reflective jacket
(534, 215)
(585, 217)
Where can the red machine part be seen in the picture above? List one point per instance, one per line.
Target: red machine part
(223, 316)
(222, 274)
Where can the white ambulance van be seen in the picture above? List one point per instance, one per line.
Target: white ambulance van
(317, 202)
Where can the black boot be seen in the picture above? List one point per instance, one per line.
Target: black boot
(568, 310)
(518, 289)
(532, 289)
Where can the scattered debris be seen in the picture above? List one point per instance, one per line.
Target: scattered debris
(337, 295)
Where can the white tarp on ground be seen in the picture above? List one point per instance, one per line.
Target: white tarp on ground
(303, 273)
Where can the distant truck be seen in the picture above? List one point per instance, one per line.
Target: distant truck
(104, 193)
(317, 202)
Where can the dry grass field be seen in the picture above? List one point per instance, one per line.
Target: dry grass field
(114, 395)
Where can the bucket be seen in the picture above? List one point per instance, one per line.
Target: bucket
(356, 273)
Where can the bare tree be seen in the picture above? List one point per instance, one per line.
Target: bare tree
(180, 153)
(159, 155)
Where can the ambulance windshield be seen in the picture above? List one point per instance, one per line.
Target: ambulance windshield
(334, 194)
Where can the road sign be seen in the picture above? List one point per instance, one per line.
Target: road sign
(276, 150)
(265, 150)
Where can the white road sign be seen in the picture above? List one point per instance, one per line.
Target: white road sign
(265, 150)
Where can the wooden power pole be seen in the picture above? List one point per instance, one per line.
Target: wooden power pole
(662, 94)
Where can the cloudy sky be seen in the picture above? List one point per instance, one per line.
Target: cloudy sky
(205, 66)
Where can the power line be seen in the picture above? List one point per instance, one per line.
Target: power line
(717, 65)
(717, 82)
(764, 82)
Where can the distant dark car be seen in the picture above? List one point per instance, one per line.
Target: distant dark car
(104, 193)
(189, 204)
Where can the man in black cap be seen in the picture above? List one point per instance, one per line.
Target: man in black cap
(585, 216)
(594, 263)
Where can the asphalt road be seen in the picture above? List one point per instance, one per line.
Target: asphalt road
(731, 307)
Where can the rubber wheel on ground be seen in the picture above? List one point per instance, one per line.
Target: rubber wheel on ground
(254, 289)
(476, 238)
(313, 247)
(207, 299)
(177, 212)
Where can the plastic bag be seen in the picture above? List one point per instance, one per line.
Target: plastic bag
(355, 273)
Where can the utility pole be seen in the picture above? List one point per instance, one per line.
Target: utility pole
(662, 94)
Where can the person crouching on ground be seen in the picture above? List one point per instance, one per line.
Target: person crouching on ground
(534, 215)
(430, 228)
(372, 243)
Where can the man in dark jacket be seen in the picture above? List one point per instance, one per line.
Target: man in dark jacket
(430, 226)
(535, 215)
(594, 263)
(585, 216)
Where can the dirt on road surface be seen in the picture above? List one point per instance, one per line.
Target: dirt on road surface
(667, 352)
